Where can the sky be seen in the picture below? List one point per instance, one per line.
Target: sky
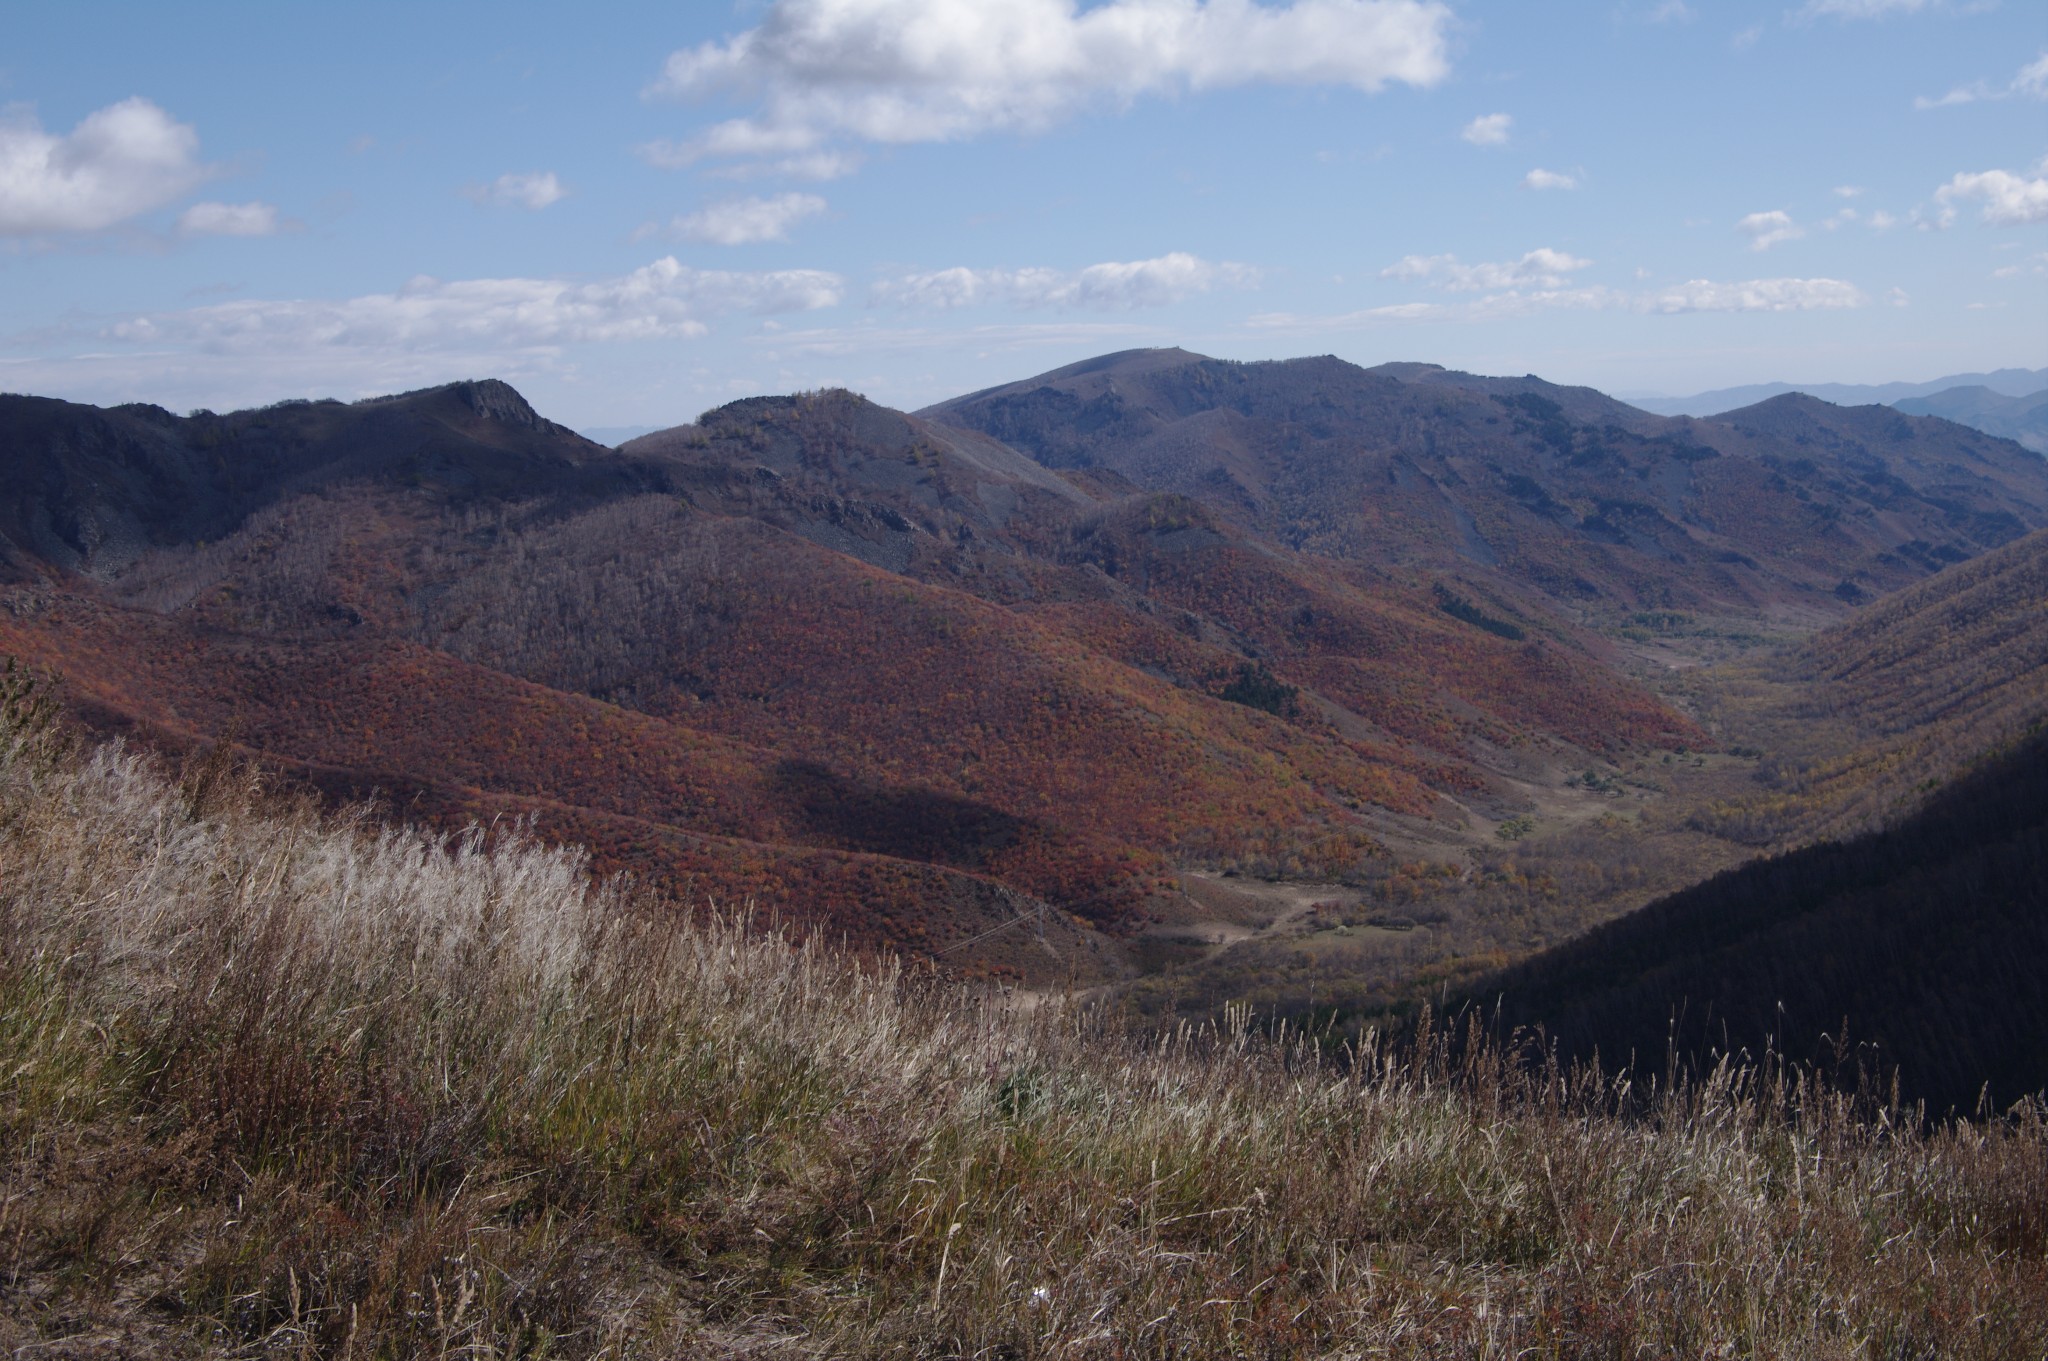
(637, 212)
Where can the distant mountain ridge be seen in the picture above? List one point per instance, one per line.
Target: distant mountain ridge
(1792, 505)
(2005, 382)
(2023, 420)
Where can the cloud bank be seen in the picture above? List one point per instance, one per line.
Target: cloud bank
(660, 301)
(1537, 291)
(900, 71)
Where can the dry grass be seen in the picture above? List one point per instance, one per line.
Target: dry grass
(290, 1086)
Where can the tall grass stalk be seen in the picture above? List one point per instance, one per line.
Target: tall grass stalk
(277, 1083)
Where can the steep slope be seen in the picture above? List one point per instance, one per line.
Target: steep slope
(1790, 509)
(893, 679)
(1921, 949)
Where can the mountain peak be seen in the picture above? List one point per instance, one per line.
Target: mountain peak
(491, 398)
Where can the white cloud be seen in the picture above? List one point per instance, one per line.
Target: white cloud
(744, 221)
(899, 71)
(1695, 295)
(1488, 129)
(120, 161)
(1295, 321)
(2036, 264)
(2009, 200)
(1113, 286)
(1768, 229)
(2031, 82)
(1540, 268)
(1539, 178)
(660, 301)
(868, 340)
(1848, 191)
(1671, 12)
(816, 165)
(1755, 295)
(229, 219)
(1863, 9)
(534, 190)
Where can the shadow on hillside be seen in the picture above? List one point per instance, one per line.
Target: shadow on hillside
(913, 824)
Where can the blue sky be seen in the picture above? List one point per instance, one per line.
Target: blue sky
(637, 212)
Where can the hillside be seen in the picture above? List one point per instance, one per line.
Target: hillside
(1920, 950)
(1788, 510)
(286, 1085)
(889, 679)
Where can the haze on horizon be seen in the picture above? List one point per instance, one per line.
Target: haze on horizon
(637, 212)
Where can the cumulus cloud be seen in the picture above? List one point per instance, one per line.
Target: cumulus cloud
(744, 221)
(2008, 200)
(1540, 268)
(1489, 129)
(1114, 286)
(1539, 178)
(2031, 82)
(121, 161)
(1768, 229)
(660, 301)
(229, 219)
(533, 190)
(898, 71)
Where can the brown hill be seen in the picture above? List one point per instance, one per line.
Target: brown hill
(1791, 508)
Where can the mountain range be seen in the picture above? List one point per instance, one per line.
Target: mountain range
(2003, 382)
(1013, 682)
